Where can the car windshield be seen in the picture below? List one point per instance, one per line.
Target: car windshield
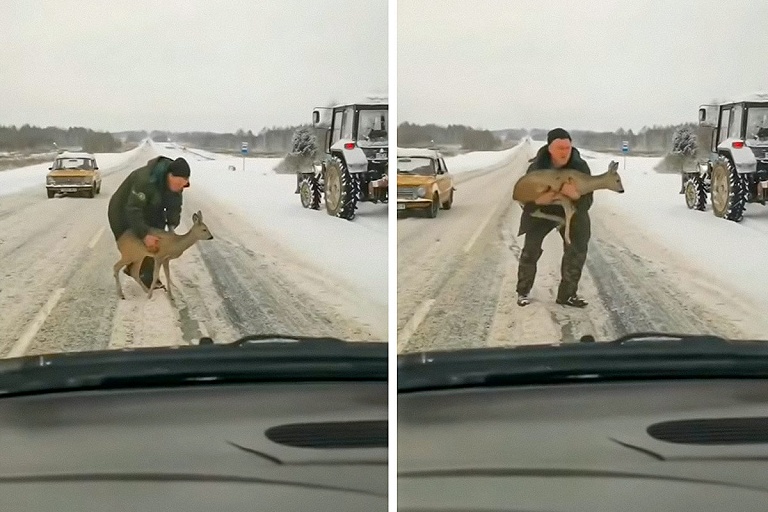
(574, 211)
(372, 127)
(416, 165)
(757, 123)
(200, 161)
(73, 163)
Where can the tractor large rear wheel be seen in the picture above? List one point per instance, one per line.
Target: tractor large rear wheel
(340, 190)
(728, 190)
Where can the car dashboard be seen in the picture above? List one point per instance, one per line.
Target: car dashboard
(642, 445)
(274, 446)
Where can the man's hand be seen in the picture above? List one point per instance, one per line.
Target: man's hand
(570, 191)
(151, 242)
(546, 197)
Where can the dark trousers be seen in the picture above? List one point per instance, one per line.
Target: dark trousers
(147, 265)
(574, 255)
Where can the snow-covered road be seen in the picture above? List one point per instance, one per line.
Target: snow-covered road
(57, 292)
(652, 264)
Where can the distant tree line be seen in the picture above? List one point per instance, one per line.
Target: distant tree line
(35, 139)
(414, 135)
(268, 140)
(655, 140)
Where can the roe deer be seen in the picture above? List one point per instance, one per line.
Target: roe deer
(533, 185)
(171, 246)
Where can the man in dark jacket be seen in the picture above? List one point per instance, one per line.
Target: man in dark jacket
(149, 197)
(557, 154)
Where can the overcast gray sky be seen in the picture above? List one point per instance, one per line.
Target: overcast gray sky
(186, 65)
(596, 64)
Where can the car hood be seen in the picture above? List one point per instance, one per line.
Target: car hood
(70, 173)
(412, 180)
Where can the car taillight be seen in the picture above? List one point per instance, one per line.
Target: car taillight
(349, 145)
(737, 144)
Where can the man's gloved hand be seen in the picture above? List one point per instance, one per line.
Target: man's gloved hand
(570, 191)
(152, 243)
(546, 198)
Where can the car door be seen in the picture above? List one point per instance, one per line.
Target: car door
(96, 173)
(443, 180)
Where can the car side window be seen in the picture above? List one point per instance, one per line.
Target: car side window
(336, 126)
(347, 123)
(734, 124)
(725, 119)
(442, 163)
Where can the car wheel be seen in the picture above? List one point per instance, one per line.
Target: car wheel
(434, 207)
(447, 205)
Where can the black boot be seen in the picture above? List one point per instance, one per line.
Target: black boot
(147, 269)
(573, 301)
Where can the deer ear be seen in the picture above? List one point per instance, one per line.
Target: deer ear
(200, 215)
(195, 218)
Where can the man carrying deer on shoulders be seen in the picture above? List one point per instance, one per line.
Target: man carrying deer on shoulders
(557, 154)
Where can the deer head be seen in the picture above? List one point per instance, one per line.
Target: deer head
(199, 230)
(612, 178)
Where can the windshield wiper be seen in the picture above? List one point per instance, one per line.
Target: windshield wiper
(666, 341)
(258, 358)
(656, 337)
(643, 355)
(277, 338)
